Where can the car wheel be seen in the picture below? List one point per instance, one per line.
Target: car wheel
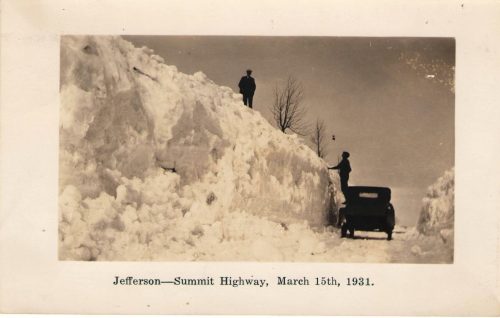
(351, 232)
(343, 230)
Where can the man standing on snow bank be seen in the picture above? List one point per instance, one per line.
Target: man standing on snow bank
(247, 88)
(344, 168)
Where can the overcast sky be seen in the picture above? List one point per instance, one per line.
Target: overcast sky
(389, 101)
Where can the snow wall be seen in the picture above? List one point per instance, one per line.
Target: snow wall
(438, 208)
(432, 241)
(126, 118)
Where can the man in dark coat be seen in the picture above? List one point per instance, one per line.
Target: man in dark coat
(344, 168)
(247, 88)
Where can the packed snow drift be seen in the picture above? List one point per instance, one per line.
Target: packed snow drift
(432, 241)
(438, 206)
(159, 165)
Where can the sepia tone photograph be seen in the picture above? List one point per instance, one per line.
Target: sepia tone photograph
(257, 148)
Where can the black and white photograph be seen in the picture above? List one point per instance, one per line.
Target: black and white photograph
(233, 148)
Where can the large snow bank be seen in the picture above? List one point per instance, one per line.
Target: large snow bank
(438, 208)
(241, 190)
(432, 241)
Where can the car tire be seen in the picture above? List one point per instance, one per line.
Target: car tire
(343, 230)
(351, 232)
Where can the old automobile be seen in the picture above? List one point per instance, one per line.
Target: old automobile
(367, 209)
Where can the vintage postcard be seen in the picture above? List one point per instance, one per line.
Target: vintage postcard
(323, 158)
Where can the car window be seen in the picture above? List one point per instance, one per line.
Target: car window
(369, 195)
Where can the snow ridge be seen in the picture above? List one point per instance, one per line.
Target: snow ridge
(439, 205)
(432, 240)
(127, 120)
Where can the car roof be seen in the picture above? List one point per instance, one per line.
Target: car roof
(369, 189)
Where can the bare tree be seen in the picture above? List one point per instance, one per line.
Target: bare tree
(288, 110)
(319, 138)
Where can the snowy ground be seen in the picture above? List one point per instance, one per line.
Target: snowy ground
(406, 246)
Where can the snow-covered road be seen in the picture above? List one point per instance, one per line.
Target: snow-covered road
(406, 246)
(368, 246)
